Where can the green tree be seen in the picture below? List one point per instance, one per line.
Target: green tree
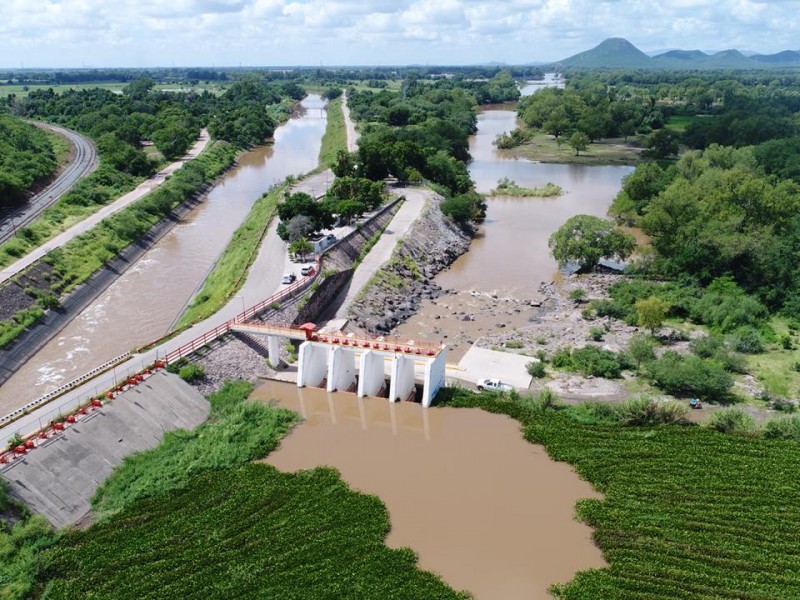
(640, 349)
(301, 248)
(587, 239)
(579, 141)
(662, 144)
(651, 312)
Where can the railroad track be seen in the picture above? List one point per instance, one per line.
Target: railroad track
(84, 163)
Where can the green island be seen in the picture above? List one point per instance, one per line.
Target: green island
(507, 187)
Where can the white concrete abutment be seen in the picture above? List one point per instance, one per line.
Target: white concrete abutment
(335, 366)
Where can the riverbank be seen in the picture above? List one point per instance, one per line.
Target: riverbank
(397, 289)
(544, 148)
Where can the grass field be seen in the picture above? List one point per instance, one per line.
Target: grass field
(544, 148)
(679, 123)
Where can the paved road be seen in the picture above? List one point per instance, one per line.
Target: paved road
(85, 162)
(108, 210)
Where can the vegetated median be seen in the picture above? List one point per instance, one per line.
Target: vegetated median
(228, 274)
(335, 138)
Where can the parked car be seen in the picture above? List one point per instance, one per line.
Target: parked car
(289, 278)
(307, 270)
(494, 385)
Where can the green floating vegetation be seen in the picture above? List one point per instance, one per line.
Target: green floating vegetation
(235, 433)
(250, 532)
(508, 187)
(688, 512)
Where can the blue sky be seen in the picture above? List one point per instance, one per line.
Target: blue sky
(148, 33)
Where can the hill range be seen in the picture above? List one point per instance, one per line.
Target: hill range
(617, 53)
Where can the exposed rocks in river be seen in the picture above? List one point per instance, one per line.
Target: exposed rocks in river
(396, 291)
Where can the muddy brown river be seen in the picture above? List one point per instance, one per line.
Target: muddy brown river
(509, 256)
(487, 511)
(142, 304)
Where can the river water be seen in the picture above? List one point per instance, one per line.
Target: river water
(142, 304)
(509, 256)
(482, 507)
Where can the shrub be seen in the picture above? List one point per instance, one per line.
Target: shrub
(706, 346)
(175, 367)
(543, 400)
(640, 350)
(613, 309)
(727, 308)
(562, 358)
(783, 428)
(541, 355)
(786, 342)
(596, 334)
(592, 361)
(748, 341)
(536, 369)
(191, 372)
(577, 295)
(515, 344)
(593, 413)
(733, 420)
(690, 376)
(641, 411)
(782, 405)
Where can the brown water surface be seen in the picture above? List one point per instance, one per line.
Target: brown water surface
(483, 508)
(509, 256)
(142, 304)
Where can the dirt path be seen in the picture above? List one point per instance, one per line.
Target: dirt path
(88, 223)
(382, 250)
(352, 135)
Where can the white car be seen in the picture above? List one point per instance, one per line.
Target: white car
(494, 385)
(289, 278)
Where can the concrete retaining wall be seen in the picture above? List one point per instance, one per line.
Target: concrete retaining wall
(58, 478)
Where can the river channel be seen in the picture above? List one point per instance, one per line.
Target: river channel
(509, 256)
(482, 507)
(142, 304)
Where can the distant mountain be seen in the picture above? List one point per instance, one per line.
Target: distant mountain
(613, 52)
(787, 56)
(618, 53)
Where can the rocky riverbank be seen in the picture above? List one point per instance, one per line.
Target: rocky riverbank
(397, 290)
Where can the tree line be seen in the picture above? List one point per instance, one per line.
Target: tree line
(26, 156)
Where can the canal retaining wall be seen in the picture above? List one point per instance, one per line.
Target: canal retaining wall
(26, 345)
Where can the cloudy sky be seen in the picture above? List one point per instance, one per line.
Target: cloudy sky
(147, 33)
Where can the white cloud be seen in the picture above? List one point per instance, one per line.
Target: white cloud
(216, 32)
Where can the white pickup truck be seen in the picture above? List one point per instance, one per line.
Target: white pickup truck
(494, 385)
